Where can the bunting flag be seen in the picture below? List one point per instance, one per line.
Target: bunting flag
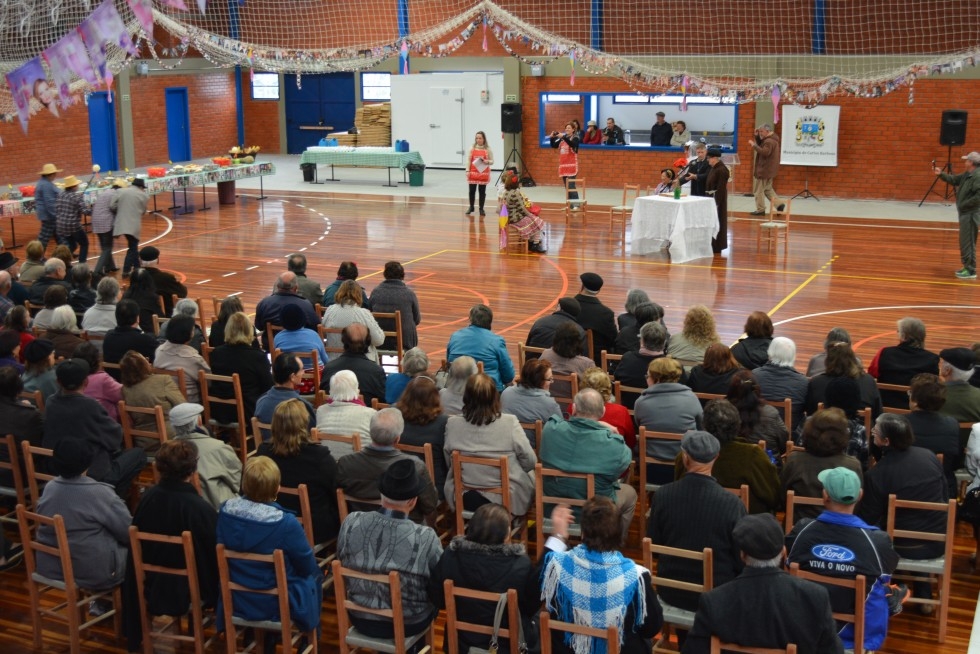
(684, 82)
(485, 45)
(26, 82)
(404, 56)
(66, 57)
(143, 10)
(103, 27)
(571, 58)
(775, 104)
(176, 4)
(203, 5)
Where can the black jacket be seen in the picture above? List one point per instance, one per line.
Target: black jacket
(167, 286)
(601, 320)
(752, 352)
(315, 467)
(660, 134)
(371, 378)
(26, 423)
(490, 568)
(38, 288)
(254, 373)
(542, 332)
(120, 340)
(85, 419)
(939, 433)
(706, 382)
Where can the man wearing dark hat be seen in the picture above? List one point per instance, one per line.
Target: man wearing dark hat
(166, 283)
(96, 519)
(716, 185)
(596, 316)
(71, 415)
(129, 205)
(45, 203)
(377, 542)
(542, 332)
(962, 400)
(102, 223)
(699, 494)
(839, 544)
(358, 473)
(69, 210)
(661, 132)
(764, 606)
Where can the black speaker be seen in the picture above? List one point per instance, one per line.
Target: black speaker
(510, 118)
(953, 131)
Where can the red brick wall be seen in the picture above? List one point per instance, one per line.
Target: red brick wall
(63, 141)
(261, 119)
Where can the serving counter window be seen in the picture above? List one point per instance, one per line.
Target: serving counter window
(711, 119)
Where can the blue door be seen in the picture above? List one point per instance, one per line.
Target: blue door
(326, 99)
(102, 131)
(178, 125)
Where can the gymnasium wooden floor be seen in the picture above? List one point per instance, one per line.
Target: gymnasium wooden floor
(859, 273)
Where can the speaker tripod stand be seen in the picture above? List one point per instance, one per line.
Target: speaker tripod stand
(527, 180)
(948, 168)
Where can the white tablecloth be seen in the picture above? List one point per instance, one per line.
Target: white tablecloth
(686, 226)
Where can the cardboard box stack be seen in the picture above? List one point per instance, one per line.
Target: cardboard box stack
(373, 122)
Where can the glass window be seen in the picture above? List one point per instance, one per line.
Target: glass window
(562, 97)
(375, 86)
(265, 86)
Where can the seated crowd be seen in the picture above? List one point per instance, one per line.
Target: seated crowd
(593, 395)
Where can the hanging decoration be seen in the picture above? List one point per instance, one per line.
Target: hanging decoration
(143, 10)
(404, 57)
(486, 47)
(65, 58)
(28, 82)
(571, 59)
(684, 84)
(775, 104)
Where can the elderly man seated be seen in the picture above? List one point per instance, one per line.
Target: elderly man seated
(269, 309)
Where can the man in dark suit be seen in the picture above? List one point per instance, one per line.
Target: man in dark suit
(632, 369)
(371, 377)
(166, 283)
(542, 332)
(127, 336)
(764, 606)
(596, 316)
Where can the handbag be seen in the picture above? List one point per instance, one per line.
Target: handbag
(969, 509)
(495, 636)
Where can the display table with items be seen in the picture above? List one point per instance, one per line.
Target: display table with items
(685, 226)
(365, 157)
(158, 180)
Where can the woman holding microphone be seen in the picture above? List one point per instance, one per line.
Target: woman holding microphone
(478, 173)
(567, 145)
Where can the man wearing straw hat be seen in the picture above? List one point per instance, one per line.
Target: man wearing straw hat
(69, 210)
(45, 199)
(103, 221)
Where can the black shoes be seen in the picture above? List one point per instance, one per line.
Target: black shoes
(469, 212)
(537, 247)
(757, 213)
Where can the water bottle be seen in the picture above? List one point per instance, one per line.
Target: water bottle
(677, 192)
(627, 137)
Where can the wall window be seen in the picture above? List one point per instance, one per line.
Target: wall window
(562, 97)
(265, 86)
(375, 86)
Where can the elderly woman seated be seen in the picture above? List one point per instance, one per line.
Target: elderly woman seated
(531, 399)
(415, 362)
(186, 307)
(344, 414)
(452, 395)
(63, 332)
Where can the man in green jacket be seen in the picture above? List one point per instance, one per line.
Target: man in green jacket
(967, 186)
(584, 444)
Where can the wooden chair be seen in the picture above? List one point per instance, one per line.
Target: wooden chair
(942, 567)
(717, 647)
(742, 493)
(324, 332)
(309, 375)
(18, 491)
(785, 408)
(74, 608)
(548, 624)
(158, 433)
(575, 205)
(392, 333)
(534, 432)
(443, 524)
(377, 404)
(171, 630)
(239, 426)
(346, 504)
(351, 639)
(260, 431)
(270, 335)
(894, 397)
(33, 308)
(645, 459)
(522, 354)
(625, 210)
(857, 584)
(230, 589)
(777, 225)
(352, 440)
(569, 381)
(674, 616)
(35, 477)
(708, 397)
(460, 487)
(515, 240)
(158, 322)
(179, 376)
(542, 524)
(34, 397)
(325, 552)
(792, 499)
(455, 625)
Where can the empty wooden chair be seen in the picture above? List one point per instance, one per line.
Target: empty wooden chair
(324, 552)
(624, 210)
(74, 607)
(391, 325)
(351, 640)
(35, 471)
(575, 201)
(777, 224)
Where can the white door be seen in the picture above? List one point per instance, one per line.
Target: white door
(445, 127)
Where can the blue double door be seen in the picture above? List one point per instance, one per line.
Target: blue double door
(326, 99)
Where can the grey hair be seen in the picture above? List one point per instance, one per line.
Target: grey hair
(589, 404)
(481, 316)
(634, 298)
(108, 290)
(63, 317)
(774, 562)
(415, 361)
(912, 331)
(955, 374)
(459, 372)
(53, 265)
(766, 126)
(782, 352)
(343, 386)
(836, 335)
(287, 282)
(186, 307)
(183, 431)
(6, 281)
(297, 263)
(386, 426)
(653, 336)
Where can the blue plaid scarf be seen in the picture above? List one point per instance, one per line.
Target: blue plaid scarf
(593, 589)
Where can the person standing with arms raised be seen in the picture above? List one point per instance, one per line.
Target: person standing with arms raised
(967, 186)
(567, 146)
(766, 146)
(478, 173)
